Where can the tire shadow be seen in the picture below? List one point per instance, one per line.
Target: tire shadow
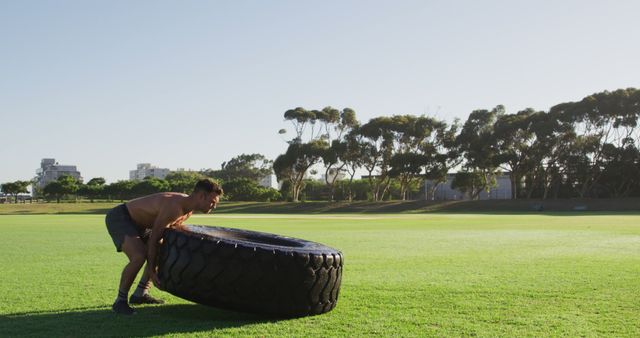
(149, 321)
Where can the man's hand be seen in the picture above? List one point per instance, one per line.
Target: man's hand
(178, 226)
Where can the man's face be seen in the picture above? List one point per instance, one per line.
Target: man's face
(209, 202)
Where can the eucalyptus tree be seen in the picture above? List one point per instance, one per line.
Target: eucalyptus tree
(418, 140)
(443, 154)
(621, 175)
(515, 139)
(377, 145)
(245, 166)
(600, 120)
(472, 183)
(544, 173)
(319, 137)
(328, 119)
(293, 165)
(339, 156)
(354, 157)
(478, 145)
(300, 118)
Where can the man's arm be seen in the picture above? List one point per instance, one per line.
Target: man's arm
(163, 220)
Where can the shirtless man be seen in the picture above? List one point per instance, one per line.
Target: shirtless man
(136, 228)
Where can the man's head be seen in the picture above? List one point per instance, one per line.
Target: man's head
(207, 194)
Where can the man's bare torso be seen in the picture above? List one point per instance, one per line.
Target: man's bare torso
(144, 210)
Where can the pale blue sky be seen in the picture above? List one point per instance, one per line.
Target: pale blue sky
(108, 84)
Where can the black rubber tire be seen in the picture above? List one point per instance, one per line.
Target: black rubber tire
(250, 271)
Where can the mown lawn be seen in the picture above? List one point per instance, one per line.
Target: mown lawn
(404, 275)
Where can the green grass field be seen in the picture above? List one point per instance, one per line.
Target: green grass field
(404, 275)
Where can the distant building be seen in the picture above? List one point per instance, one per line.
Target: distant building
(147, 170)
(334, 174)
(50, 170)
(502, 190)
(269, 181)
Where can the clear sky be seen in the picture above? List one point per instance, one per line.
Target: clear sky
(107, 84)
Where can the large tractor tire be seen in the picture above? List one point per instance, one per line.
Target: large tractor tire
(250, 271)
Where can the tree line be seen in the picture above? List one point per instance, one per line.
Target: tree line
(587, 148)
(239, 177)
(582, 149)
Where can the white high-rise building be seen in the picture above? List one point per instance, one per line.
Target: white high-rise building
(147, 170)
(50, 170)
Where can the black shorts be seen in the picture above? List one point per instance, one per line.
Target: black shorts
(120, 224)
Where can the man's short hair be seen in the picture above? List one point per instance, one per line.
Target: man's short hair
(208, 185)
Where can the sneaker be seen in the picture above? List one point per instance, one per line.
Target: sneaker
(145, 299)
(122, 308)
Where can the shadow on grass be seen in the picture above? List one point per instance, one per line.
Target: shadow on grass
(149, 321)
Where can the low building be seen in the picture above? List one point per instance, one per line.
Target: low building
(443, 191)
(50, 170)
(147, 170)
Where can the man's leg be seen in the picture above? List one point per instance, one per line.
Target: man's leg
(145, 284)
(141, 294)
(135, 250)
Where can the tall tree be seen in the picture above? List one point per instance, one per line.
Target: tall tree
(296, 161)
(514, 139)
(248, 166)
(301, 156)
(472, 183)
(477, 143)
(415, 143)
(443, 154)
(353, 157)
(339, 154)
(621, 175)
(300, 118)
(377, 143)
(545, 171)
(598, 120)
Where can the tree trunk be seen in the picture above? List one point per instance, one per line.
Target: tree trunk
(386, 188)
(330, 184)
(431, 194)
(350, 186)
